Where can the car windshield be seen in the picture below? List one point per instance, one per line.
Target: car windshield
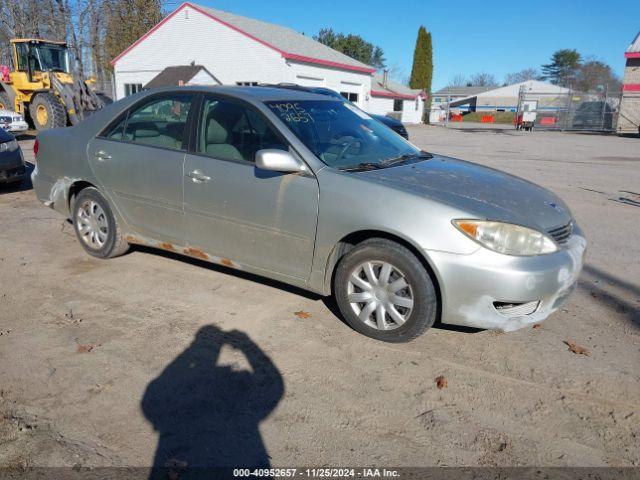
(342, 135)
(51, 58)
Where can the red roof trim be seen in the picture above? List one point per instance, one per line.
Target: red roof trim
(134, 44)
(328, 63)
(287, 55)
(632, 55)
(631, 87)
(379, 93)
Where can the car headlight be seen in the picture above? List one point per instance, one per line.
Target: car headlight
(12, 145)
(507, 238)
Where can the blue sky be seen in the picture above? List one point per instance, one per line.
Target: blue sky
(468, 36)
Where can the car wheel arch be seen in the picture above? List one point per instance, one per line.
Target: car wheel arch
(74, 189)
(350, 241)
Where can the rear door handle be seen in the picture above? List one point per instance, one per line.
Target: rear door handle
(198, 177)
(102, 155)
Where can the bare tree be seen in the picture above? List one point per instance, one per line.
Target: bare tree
(458, 80)
(483, 79)
(521, 76)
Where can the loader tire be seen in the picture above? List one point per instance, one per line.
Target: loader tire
(5, 102)
(47, 112)
(106, 100)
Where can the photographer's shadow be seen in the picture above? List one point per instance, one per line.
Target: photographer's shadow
(208, 415)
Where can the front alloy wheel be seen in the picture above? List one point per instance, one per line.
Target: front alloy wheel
(380, 295)
(384, 291)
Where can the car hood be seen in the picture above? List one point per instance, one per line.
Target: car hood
(386, 120)
(481, 191)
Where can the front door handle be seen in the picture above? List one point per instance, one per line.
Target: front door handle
(198, 177)
(102, 155)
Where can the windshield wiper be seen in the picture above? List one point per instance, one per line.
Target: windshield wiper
(403, 158)
(362, 166)
(385, 163)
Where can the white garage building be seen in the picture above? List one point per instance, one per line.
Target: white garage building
(238, 50)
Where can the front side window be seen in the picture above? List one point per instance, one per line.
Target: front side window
(51, 58)
(160, 122)
(22, 50)
(340, 134)
(231, 131)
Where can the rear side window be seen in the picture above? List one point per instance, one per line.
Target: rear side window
(232, 131)
(160, 122)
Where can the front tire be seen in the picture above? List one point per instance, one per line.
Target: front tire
(47, 111)
(96, 227)
(384, 291)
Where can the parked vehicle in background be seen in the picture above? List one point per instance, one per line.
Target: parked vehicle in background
(311, 191)
(392, 123)
(12, 122)
(43, 84)
(597, 115)
(12, 167)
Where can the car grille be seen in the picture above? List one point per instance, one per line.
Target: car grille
(562, 234)
(516, 309)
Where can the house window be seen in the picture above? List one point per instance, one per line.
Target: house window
(131, 88)
(417, 104)
(247, 84)
(397, 105)
(352, 97)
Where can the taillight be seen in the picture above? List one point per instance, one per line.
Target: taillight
(35, 147)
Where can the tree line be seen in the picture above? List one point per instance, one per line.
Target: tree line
(567, 68)
(96, 31)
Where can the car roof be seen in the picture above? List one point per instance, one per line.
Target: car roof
(258, 93)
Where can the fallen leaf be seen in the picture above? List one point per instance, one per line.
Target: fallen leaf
(302, 314)
(537, 326)
(441, 382)
(86, 348)
(577, 349)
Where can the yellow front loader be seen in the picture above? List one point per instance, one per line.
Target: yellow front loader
(41, 86)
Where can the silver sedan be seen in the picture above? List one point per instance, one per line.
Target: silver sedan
(311, 191)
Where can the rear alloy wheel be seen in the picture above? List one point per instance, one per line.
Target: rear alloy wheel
(47, 111)
(95, 225)
(384, 292)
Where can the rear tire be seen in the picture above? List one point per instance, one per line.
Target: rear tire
(47, 111)
(384, 291)
(95, 225)
(5, 102)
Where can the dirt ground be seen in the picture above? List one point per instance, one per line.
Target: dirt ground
(104, 362)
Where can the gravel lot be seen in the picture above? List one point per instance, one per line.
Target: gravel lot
(100, 359)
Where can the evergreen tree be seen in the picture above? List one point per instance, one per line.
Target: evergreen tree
(353, 46)
(422, 70)
(563, 68)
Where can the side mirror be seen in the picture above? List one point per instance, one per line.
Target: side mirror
(278, 161)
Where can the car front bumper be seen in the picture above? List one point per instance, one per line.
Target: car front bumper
(532, 288)
(18, 127)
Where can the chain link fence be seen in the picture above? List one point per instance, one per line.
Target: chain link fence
(572, 110)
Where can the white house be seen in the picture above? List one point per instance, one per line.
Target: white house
(238, 50)
(390, 97)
